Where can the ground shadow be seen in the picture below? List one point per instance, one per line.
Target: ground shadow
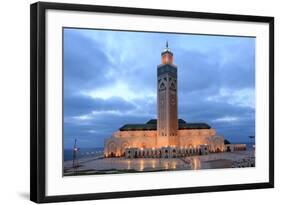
(24, 195)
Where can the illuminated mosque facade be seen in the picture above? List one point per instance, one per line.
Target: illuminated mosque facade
(167, 136)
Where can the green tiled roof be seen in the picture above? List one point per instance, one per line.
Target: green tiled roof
(184, 126)
(135, 127)
(152, 121)
(152, 125)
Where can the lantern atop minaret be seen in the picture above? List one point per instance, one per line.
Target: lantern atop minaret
(167, 55)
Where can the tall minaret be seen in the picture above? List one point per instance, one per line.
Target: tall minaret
(167, 101)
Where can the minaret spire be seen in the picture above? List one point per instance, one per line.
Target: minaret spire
(167, 55)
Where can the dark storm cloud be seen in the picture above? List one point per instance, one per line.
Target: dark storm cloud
(77, 105)
(84, 133)
(198, 72)
(85, 63)
(92, 132)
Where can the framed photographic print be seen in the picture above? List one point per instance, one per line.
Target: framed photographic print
(129, 102)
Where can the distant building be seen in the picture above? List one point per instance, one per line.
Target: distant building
(167, 136)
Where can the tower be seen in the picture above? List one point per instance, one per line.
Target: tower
(167, 100)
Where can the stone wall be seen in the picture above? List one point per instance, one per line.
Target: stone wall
(121, 140)
(116, 145)
(195, 137)
(165, 152)
(235, 147)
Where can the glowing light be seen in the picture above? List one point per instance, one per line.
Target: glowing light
(129, 164)
(196, 163)
(141, 165)
(174, 165)
(153, 164)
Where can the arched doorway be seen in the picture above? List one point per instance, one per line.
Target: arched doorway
(166, 153)
(228, 149)
(123, 148)
(112, 149)
(174, 153)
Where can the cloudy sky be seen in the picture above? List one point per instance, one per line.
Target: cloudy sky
(110, 80)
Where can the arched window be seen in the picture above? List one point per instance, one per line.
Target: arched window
(162, 86)
(173, 86)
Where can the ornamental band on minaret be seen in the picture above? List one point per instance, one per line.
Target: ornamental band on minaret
(167, 136)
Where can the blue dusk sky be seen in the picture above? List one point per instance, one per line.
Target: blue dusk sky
(110, 80)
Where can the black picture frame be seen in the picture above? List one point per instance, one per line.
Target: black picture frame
(38, 103)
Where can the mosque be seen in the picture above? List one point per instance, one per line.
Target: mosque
(167, 136)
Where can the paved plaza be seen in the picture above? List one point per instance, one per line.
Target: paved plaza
(99, 165)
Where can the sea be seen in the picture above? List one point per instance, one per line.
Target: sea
(83, 152)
